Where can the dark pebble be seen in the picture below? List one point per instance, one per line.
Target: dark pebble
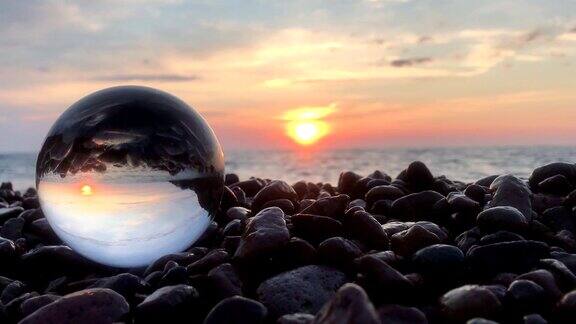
(338, 251)
(302, 290)
(525, 296)
(170, 304)
(349, 305)
(8, 213)
(413, 239)
(440, 261)
(297, 318)
(511, 191)
(315, 228)
(515, 256)
(502, 218)
(238, 310)
(96, 305)
(556, 185)
(544, 172)
(265, 234)
(362, 226)
(380, 279)
(31, 305)
(415, 206)
(419, 176)
(225, 281)
(398, 314)
(467, 302)
(385, 192)
(274, 190)
(347, 181)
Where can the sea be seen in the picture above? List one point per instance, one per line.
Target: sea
(465, 164)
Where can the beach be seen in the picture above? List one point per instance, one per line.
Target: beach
(412, 247)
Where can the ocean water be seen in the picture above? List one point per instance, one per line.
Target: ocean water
(457, 163)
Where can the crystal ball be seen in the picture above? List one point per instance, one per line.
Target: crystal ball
(129, 174)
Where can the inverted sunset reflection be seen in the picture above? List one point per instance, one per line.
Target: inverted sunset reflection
(130, 221)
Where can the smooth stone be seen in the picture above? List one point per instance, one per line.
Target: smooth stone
(419, 176)
(265, 234)
(168, 304)
(225, 281)
(250, 186)
(479, 320)
(544, 279)
(439, 260)
(398, 314)
(556, 185)
(9, 213)
(525, 295)
(338, 251)
(233, 228)
(11, 291)
(346, 182)
(502, 218)
(42, 228)
(32, 304)
(7, 250)
(12, 229)
(487, 181)
(559, 218)
(55, 261)
(240, 213)
(469, 301)
(212, 259)
(237, 310)
(385, 192)
(231, 178)
(476, 192)
(566, 309)
(297, 252)
(315, 228)
(413, 239)
(381, 278)
(564, 276)
(96, 305)
(125, 284)
(333, 206)
(286, 205)
(511, 191)
(568, 259)
(415, 206)
(568, 170)
(228, 199)
(274, 190)
(302, 290)
(349, 305)
(362, 226)
(461, 203)
(514, 256)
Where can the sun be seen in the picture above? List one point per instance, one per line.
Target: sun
(307, 132)
(306, 126)
(86, 190)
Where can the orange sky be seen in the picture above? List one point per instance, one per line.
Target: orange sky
(390, 72)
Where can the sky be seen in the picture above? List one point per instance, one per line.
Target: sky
(372, 73)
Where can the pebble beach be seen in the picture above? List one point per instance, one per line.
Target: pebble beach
(415, 247)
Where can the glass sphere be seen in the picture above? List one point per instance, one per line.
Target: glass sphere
(129, 174)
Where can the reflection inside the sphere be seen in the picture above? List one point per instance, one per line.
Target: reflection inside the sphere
(131, 222)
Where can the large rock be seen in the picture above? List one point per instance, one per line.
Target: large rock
(419, 176)
(568, 170)
(350, 305)
(302, 290)
(96, 305)
(511, 191)
(362, 226)
(265, 234)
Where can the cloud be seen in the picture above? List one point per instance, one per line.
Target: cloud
(149, 77)
(410, 61)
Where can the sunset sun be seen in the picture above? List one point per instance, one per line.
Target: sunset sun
(306, 126)
(86, 190)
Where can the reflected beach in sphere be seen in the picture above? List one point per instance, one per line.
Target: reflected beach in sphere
(128, 174)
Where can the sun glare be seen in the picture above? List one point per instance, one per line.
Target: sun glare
(306, 125)
(86, 190)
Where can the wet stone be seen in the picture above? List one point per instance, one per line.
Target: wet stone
(237, 310)
(469, 301)
(349, 305)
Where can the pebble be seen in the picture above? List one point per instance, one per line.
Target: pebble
(315, 228)
(398, 314)
(32, 304)
(339, 252)
(513, 192)
(302, 290)
(502, 218)
(274, 190)
(419, 176)
(264, 235)
(411, 240)
(349, 305)
(170, 304)
(439, 261)
(514, 256)
(237, 310)
(469, 301)
(568, 170)
(380, 279)
(96, 305)
(362, 226)
(385, 192)
(416, 206)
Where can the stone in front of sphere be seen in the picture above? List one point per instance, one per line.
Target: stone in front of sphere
(128, 174)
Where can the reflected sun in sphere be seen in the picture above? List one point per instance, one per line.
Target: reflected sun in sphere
(86, 190)
(306, 126)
